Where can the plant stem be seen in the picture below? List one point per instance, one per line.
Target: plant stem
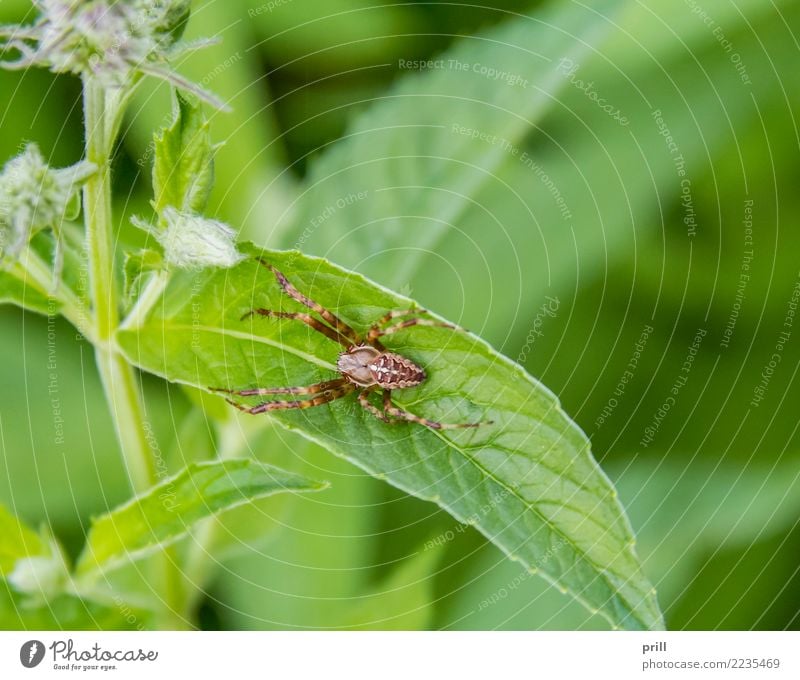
(119, 382)
(97, 203)
(101, 120)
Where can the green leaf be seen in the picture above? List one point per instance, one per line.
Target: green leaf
(28, 282)
(137, 266)
(174, 20)
(166, 513)
(67, 612)
(699, 507)
(327, 556)
(32, 564)
(528, 482)
(17, 291)
(262, 191)
(413, 164)
(183, 169)
(540, 187)
(17, 541)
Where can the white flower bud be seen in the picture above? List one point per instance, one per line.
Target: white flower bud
(34, 196)
(105, 39)
(38, 575)
(112, 40)
(191, 240)
(41, 576)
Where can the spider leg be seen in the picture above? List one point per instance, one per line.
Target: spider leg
(375, 329)
(396, 313)
(310, 389)
(331, 318)
(396, 412)
(375, 333)
(327, 396)
(307, 319)
(363, 399)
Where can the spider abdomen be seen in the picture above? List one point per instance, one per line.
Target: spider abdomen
(392, 371)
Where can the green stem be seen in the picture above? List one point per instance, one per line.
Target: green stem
(97, 203)
(123, 394)
(119, 382)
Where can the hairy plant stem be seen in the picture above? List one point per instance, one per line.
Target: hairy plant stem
(119, 381)
(101, 116)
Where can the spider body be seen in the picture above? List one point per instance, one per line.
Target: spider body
(367, 366)
(364, 366)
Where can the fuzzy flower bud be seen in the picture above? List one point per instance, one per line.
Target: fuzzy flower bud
(111, 40)
(191, 240)
(41, 576)
(38, 576)
(34, 196)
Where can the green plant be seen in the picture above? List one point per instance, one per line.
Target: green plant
(528, 482)
(454, 170)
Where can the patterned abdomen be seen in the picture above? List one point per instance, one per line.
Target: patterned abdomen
(392, 372)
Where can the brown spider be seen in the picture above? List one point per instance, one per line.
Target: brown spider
(365, 365)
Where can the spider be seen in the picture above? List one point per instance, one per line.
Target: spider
(364, 366)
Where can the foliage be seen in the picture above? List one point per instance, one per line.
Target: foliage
(166, 513)
(491, 186)
(531, 464)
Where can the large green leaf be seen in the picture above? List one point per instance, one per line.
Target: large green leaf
(166, 513)
(411, 167)
(539, 188)
(686, 510)
(528, 481)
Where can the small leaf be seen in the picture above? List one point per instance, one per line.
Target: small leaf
(16, 291)
(137, 267)
(183, 170)
(40, 292)
(528, 482)
(174, 20)
(17, 541)
(165, 513)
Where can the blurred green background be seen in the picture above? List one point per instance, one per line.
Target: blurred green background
(597, 219)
